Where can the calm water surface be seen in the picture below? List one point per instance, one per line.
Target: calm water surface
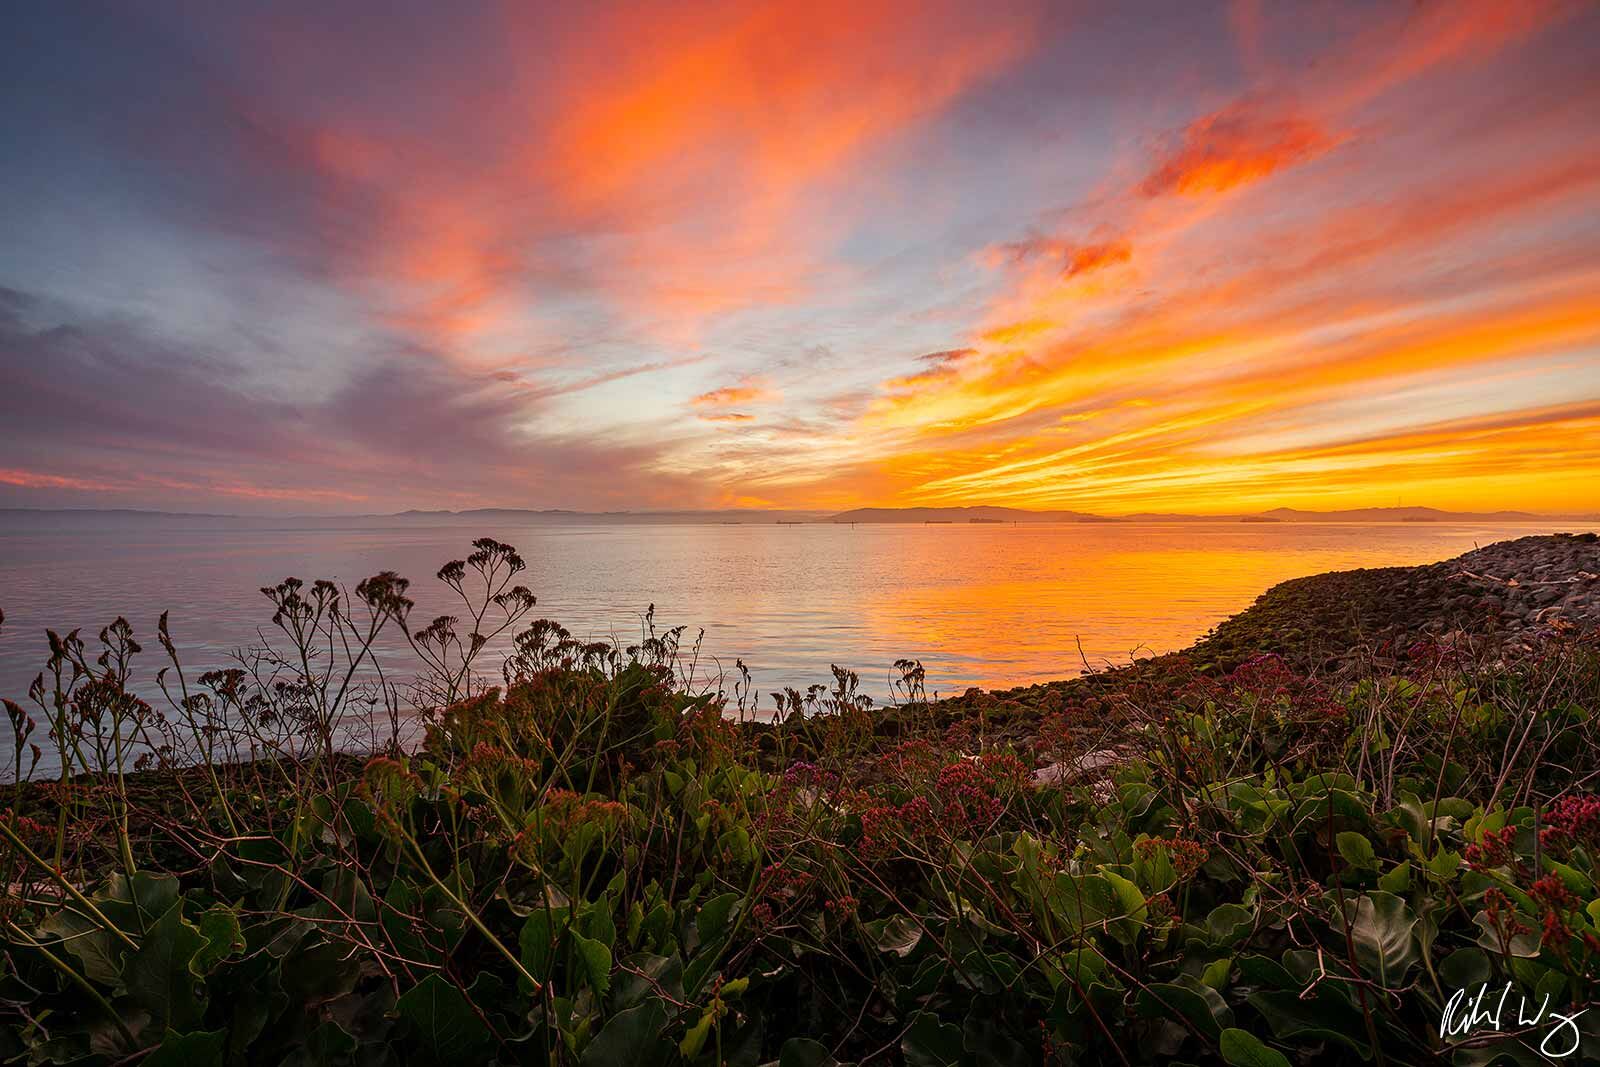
(979, 605)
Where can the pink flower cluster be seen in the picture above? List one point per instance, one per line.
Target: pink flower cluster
(884, 826)
(1496, 849)
(1573, 820)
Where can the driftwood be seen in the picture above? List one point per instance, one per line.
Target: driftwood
(1512, 583)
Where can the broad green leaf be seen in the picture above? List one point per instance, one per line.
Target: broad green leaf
(200, 1048)
(595, 961)
(1083, 902)
(643, 976)
(1382, 927)
(1130, 906)
(1229, 923)
(223, 938)
(715, 917)
(1465, 968)
(695, 1039)
(1153, 868)
(1356, 850)
(931, 1043)
(804, 1052)
(987, 1039)
(318, 968)
(1524, 945)
(1397, 880)
(536, 944)
(1240, 1048)
(1205, 1011)
(898, 934)
(98, 953)
(1444, 864)
(158, 975)
(630, 1038)
(134, 904)
(445, 1024)
(1322, 1017)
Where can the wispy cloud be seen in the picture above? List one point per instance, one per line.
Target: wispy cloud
(801, 254)
(1240, 144)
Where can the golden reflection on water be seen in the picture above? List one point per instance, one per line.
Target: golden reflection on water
(981, 605)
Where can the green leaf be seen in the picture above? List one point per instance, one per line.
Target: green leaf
(330, 1043)
(1325, 1016)
(1356, 849)
(1130, 906)
(643, 976)
(223, 938)
(99, 954)
(930, 1043)
(1152, 867)
(898, 934)
(159, 977)
(1243, 1049)
(1397, 880)
(1206, 1011)
(450, 1031)
(1083, 902)
(132, 904)
(630, 1038)
(1382, 927)
(715, 917)
(595, 960)
(1445, 864)
(1523, 945)
(1216, 973)
(318, 968)
(804, 1052)
(1465, 968)
(1229, 923)
(201, 1048)
(536, 944)
(695, 1039)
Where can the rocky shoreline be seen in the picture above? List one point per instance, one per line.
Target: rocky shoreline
(1491, 601)
(1497, 597)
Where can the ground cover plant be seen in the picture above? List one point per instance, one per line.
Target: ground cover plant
(595, 862)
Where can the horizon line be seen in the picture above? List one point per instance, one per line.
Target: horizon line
(829, 512)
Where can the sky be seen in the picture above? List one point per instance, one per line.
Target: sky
(294, 257)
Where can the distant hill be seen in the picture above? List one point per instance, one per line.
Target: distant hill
(477, 519)
(967, 514)
(984, 513)
(486, 519)
(1401, 515)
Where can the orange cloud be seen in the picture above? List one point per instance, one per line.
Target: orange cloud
(1072, 258)
(24, 479)
(730, 395)
(763, 103)
(1233, 147)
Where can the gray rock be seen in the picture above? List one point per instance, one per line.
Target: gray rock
(1088, 767)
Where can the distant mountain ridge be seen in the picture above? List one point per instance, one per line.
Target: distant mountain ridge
(990, 513)
(101, 518)
(92, 518)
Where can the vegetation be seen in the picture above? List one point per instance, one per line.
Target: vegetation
(596, 863)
